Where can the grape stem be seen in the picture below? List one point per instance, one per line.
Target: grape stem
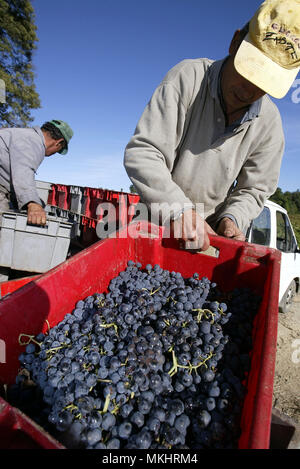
(204, 312)
(189, 367)
(155, 291)
(110, 325)
(30, 339)
(106, 404)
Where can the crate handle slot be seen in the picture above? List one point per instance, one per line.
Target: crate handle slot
(211, 251)
(38, 226)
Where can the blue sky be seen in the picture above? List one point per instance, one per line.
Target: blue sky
(98, 62)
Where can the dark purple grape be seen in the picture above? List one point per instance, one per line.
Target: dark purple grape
(144, 366)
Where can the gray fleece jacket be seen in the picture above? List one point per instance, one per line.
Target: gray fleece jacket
(181, 152)
(21, 152)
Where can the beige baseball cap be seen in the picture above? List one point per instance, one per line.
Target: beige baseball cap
(269, 56)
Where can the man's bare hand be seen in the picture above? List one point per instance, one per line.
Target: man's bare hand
(228, 228)
(36, 215)
(192, 231)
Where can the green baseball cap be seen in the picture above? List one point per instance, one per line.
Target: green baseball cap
(66, 132)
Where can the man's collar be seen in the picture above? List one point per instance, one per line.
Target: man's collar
(253, 111)
(40, 133)
(213, 77)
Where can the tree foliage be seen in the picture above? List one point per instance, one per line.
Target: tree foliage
(132, 189)
(17, 42)
(288, 200)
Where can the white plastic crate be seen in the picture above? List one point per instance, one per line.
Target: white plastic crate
(66, 215)
(33, 248)
(43, 188)
(76, 199)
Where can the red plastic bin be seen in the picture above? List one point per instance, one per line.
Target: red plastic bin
(17, 431)
(239, 264)
(92, 197)
(52, 195)
(62, 196)
(12, 285)
(106, 207)
(88, 233)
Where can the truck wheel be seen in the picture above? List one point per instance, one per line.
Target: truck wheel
(288, 298)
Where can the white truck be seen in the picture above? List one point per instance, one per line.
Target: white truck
(273, 228)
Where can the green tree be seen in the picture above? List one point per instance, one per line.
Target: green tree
(278, 197)
(296, 199)
(288, 200)
(17, 43)
(132, 189)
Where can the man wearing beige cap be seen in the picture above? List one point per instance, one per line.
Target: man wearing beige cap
(211, 136)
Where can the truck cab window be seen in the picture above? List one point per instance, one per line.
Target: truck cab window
(261, 228)
(285, 240)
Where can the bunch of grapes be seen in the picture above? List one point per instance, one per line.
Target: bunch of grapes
(157, 362)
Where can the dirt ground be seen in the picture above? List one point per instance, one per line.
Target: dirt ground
(286, 393)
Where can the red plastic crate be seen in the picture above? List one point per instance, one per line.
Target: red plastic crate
(133, 201)
(51, 196)
(62, 196)
(88, 233)
(17, 431)
(103, 206)
(93, 198)
(239, 264)
(12, 285)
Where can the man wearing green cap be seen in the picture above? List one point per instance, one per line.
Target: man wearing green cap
(22, 150)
